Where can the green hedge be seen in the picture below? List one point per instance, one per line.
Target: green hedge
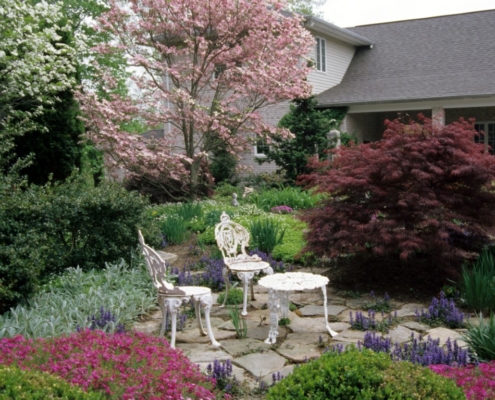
(46, 229)
(363, 375)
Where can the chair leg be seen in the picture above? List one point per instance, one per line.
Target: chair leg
(225, 273)
(207, 302)
(245, 277)
(197, 309)
(252, 290)
(173, 306)
(163, 307)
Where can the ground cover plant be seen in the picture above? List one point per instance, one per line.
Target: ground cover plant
(442, 311)
(404, 195)
(19, 384)
(121, 366)
(72, 299)
(418, 350)
(476, 380)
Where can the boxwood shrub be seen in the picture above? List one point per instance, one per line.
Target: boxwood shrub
(19, 384)
(46, 229)
(363, 375)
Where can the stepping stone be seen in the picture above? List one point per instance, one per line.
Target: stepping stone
(350, 336)
(199, 353)
(299, 348)
(416, 326)
(240, 347)
(319, 311)
(193, 336)
(229, 326)
(314, 297)
(311, 311)
(261, 333)
(444, 333)
(284, 372)
(409, 309)
(335, 301)
(261, 364)
(339, 326)
(399, 334)
(304, 325)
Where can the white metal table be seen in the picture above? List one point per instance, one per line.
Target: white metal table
(279, 287)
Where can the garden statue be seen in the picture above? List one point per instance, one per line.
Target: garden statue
(235, 203)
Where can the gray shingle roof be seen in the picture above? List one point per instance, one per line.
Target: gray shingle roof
(441, 57)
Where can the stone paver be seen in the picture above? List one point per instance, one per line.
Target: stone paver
(261, 364)
(444, 333)
(300, 340)
(400, 334)
(300, 347)
(239, 347)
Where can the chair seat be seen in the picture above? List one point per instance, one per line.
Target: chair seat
(248, 266)
(188, 291)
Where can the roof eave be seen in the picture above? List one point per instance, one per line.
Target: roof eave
(318, 25)
(360, 103)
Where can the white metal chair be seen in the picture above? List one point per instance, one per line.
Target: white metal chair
(232, 240)
(171, 297)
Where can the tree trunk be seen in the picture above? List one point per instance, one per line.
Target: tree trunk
(194, 179)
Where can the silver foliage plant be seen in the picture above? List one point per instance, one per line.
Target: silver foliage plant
(68, 301)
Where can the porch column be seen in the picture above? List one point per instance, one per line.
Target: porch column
(438, 117)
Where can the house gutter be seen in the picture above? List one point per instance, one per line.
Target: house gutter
(321, 26)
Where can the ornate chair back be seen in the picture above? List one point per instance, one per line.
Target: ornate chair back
(157, 269)
(232, 240)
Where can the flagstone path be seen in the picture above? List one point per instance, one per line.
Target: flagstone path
(304, 338)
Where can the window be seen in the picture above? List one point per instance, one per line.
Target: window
(261, 147)
(321, 62)
(219, 70)
(486, 136)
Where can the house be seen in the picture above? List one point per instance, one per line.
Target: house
(443, 67)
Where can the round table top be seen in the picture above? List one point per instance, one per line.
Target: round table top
(293, 281)
(248, 266)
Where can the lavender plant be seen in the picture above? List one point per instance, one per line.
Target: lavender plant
(377, 304)
(278, 266)
(418, 351)
(221, 371)
(442, 311)
(362, 323)
(105, 321)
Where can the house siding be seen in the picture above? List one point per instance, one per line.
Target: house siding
(338, 56)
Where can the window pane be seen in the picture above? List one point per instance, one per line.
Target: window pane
(491, 137)
(323, 56)
(318, 59)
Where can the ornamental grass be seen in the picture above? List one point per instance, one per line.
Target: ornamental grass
(122, 366)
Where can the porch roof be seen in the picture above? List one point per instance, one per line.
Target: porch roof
(434, 58)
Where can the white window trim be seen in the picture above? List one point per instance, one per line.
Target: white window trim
(486, 133)
(321, 52)
(255, 148)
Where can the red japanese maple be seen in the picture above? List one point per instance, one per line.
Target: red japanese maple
(420, 189)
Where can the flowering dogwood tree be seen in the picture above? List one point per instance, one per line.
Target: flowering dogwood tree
(208, 67)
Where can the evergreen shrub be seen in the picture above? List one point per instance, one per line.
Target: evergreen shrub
(362, 375)
(47, 229)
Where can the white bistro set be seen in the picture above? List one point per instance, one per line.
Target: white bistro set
(232, 240)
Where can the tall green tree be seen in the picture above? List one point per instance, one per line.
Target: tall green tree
(310, 128)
